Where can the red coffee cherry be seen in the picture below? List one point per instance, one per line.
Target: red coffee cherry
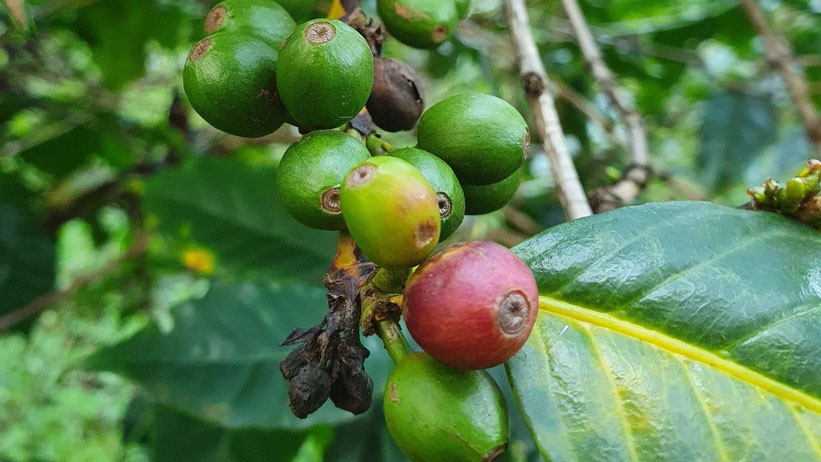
(472, 306)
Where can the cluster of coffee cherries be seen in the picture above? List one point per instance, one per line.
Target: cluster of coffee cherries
(472, 305)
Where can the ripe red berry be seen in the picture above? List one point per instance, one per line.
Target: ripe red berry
(472, 306)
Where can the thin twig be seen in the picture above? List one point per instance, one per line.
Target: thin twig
(491, 44)
(635, 177)
(584, 106)
(50, 299)
(534, 78)
(780, 56)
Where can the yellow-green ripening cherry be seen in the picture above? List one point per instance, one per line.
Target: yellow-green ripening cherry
(482, 137)
(264, 19)
(419, 23)
(325, 74)
(491, 197)
(444, 182)
(230, 80)
(311, 173)
(391, 212)
(436, 413)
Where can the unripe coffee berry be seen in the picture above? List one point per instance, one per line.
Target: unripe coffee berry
(491, 197)
(391, 212)
(471, 306)
(325, 74)
(482, 137)
(311, 173)
(436, 413)
(419, 23)
(230, 80)
(303, 10)
(444, 182)
(263, 19)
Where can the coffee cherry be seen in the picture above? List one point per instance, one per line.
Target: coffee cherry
(481, 136)
(310, 174)
(396, 102)
(443, 180)
(303, 10)
(491, 197)
(436, 413)
(263, 19)
(391, 212)
(326, 73)
(230, 80)
(419, 23)
(471, 306)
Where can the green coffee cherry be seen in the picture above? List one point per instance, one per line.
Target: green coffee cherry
(303, 10)
(436, 413)
(264, 19)
(391, 212)
(326, 73)
(310, 174)
(230, 80)
(482, 137)
(441, 177)
(419, 23)
(491, 197)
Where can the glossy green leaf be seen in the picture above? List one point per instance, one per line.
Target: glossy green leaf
(233, 209)
(674, 331)
(220, 362)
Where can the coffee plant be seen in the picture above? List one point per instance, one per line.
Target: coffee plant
(360, 231)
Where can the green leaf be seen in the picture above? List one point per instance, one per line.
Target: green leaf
(119, 31)
(735, 130)
(676, 331)
(233, 209)
(26, 254)
(220, 362)
(181, 438)
(71, 149)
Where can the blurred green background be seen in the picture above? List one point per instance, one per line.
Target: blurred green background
(160, 272)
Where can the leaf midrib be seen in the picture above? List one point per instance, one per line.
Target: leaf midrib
(679, 347)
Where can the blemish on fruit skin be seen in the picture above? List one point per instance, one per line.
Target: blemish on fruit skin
(439, 33)
(408, 13)
(393, 396)
(215, 19)
(329, 201)
(200, 50)
(362, 175)
(424, 233)
(495, 453)
(319, 33)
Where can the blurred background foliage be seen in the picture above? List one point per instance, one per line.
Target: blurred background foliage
(159, 273)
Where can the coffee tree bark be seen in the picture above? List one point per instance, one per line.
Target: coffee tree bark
(536, 84)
